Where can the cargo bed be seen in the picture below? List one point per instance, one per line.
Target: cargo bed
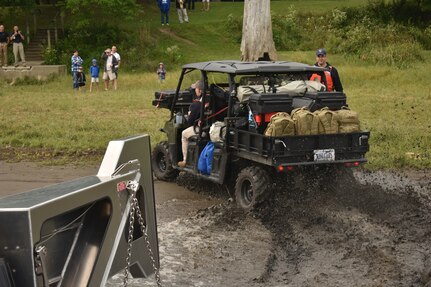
(300, 150)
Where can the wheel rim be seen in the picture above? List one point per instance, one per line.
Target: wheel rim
(247, 192)
(161, 162)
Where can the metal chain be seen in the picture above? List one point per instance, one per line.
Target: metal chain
(147, 241)
(129, 240)
(134, 207)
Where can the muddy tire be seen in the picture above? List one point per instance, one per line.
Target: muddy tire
(162, 163)
(252, 186)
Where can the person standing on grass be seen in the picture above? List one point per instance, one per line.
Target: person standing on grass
(94, 72)
(182, 11)
(118, 57)
(333, 82)
(76, 63)
(206, 7)
(81, 79)
(161, 72)
(4, 42)
(164, 6)
(109, 72)
(17, 39)
(191, 5)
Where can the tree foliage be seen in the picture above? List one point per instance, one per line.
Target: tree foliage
(112, 9)
(21, 3)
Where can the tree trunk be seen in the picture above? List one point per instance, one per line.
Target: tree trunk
(257, 42)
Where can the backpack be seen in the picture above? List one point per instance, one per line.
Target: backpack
(348, 121)
(306, 123)
(281, 124)
(328, 121)
(205, 162)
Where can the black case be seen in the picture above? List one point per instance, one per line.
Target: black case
(315, 101)
(304, 102)
(270, 102)
(164, 99)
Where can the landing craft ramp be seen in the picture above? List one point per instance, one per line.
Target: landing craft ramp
(76, 233)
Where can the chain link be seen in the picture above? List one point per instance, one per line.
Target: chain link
(147, 241)
(129, 239)
(133, 186)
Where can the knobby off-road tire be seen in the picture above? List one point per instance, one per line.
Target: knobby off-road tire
(252, 186)
(162, 163)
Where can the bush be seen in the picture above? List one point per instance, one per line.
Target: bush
(173, 53)
(401, 55)
(51, 56)
(285, 30)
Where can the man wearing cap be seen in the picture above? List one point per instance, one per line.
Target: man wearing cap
(109, 70)
(333, 82)
(193, 115)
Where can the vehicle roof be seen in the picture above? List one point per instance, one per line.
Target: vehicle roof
(238, 67)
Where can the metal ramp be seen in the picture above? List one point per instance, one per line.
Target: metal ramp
(76, 233)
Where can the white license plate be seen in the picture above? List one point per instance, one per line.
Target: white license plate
(324, 155)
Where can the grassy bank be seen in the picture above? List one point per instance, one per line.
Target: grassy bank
(53, 121)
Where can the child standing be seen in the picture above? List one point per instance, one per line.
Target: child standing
(161, 72)
(94, 72)
(80, 77)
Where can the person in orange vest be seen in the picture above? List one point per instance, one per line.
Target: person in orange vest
(333, 82)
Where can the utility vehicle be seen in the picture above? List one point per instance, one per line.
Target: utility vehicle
(244, 95)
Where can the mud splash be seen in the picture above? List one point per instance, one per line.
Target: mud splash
(368, 229)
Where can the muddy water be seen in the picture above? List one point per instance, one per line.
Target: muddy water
(369, 229)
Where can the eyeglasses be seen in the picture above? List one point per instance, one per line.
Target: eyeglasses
(321, 56)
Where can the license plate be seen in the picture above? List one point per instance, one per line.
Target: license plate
(324, 155)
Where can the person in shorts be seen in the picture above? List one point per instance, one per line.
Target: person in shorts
(94, 72)
(109, 69)
(4, 42)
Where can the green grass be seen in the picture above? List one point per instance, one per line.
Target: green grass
(53, 121)
(393, 104)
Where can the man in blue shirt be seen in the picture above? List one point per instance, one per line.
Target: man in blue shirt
(18, 48)
(4, 41)
(164, 6)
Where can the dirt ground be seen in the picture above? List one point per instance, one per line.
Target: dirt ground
(367, 229)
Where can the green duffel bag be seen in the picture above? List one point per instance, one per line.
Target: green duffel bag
(328, 121)
(280, 124)
(306, 123)
(348, 121)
